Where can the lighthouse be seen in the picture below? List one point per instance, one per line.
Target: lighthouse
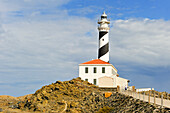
(99, 71)
(103, 51)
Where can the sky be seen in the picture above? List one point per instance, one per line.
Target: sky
(42, 41)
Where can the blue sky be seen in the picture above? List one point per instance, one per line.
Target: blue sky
(44, 41)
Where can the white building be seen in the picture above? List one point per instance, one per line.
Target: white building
(102, 74)
(144, 89)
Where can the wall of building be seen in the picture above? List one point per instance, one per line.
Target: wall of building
(106, 81)
(144, 89)
(121, 82)
(109, 71)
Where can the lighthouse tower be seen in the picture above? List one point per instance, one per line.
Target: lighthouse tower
(103, 52)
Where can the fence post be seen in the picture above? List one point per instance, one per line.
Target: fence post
(162, 100)
(139, 95)
(149, 97)
(154, 99)
(133, 88)
(144, 96)
(118, 88)
(131, 93)
(167, 96)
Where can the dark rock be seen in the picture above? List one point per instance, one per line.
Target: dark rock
(58, 82)
(61, 103)
(167, 109)
(56, 88)
(13, 106)
(97, 99)
(46, 97)
(71, 82)
(21, 105)
(1, 109)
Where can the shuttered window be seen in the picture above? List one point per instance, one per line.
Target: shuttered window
(94, 81)
(95, 70)
(86, 69)
(103, 69)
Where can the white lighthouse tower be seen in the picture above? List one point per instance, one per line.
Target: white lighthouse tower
(103, 52)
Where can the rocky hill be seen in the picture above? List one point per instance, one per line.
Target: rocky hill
(77, 96)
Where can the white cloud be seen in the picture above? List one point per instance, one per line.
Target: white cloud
(6, 6)
(51, 45)
(42, 48)
(45, 51)
(85, 10)
(144, 41)
(19, 10)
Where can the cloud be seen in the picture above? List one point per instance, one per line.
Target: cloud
(45, 41)
(140, 51)
(85, 10)
(45, 51)
(42, 46)
(19, 10)
(141, 41)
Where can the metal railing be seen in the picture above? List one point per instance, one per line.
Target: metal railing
(148, 98)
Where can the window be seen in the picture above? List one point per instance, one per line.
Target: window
(86, 69)
(94, 81)
(95, 70)
(103, 69)
(86, 79)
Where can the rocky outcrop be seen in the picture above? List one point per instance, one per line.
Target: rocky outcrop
(78, 96)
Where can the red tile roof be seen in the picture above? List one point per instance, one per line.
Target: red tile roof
(96, 61)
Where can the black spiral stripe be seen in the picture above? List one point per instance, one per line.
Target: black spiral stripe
(102, 33)
(105, 48)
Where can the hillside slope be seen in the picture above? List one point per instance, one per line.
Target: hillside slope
(76, 96)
